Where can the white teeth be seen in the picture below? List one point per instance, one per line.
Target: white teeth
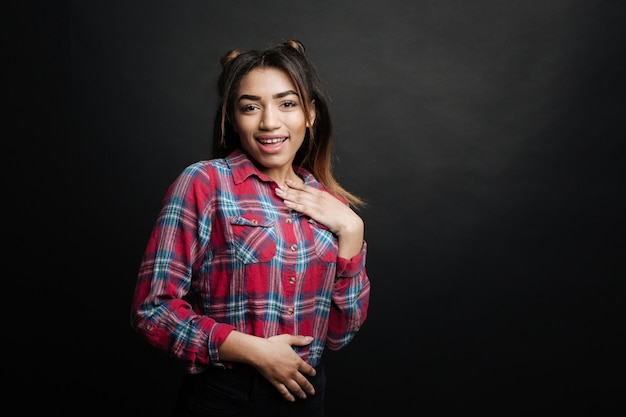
(270, 141)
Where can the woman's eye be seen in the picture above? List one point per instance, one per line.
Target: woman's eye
(246, 108)
(289, 104)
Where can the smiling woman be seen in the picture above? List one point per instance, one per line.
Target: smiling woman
(256, 263)
(271, 122)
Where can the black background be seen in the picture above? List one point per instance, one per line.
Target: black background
(486, 136)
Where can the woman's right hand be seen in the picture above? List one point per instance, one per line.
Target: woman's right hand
(275, 359)
(284, 369)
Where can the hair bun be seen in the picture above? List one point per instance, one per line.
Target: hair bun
(295, 44)
(229, 56)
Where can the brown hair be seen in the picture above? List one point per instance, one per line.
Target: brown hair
(315, 154)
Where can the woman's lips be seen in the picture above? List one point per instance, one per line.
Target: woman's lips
(273, 144)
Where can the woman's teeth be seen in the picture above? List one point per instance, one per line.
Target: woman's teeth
(272, 141)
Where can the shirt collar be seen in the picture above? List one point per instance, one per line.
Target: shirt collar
(242, 167)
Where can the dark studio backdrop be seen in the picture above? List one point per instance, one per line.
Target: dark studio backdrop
(486, 136)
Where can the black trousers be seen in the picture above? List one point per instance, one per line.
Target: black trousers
(242, 391)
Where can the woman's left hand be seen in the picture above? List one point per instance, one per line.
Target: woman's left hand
(328, 210)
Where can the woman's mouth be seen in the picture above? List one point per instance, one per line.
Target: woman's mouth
(271, 141)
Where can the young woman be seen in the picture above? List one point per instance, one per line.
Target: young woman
(256, 262)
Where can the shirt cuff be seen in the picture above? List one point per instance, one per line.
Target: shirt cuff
(351, 267)
(216, 338)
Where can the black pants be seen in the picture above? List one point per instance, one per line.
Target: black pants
(242, 392)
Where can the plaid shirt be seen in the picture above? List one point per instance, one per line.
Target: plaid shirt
(226, 253)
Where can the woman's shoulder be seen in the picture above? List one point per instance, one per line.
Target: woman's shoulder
(204, 166)
(234, 165)
(198, 174)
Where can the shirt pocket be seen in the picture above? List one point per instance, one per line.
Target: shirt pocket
(324, 241)
(253, 238)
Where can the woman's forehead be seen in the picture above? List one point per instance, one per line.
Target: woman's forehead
(266, 81)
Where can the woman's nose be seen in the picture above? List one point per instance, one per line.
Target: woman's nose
(270, 119)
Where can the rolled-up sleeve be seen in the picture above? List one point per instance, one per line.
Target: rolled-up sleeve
(350, 300)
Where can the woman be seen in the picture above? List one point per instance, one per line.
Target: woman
(256, 262)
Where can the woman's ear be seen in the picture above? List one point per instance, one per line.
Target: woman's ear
(311, 121)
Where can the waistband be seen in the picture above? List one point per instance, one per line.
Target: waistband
(245, 379)
(244, 391)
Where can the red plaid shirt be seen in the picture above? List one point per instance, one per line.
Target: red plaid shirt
(226, 253)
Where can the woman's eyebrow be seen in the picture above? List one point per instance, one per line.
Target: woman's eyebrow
(256, 98)
(284, 94)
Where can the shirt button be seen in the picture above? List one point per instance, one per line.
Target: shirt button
(255, 221)
(292, 280)
(290, 311)
(294, 246)
(289, 221)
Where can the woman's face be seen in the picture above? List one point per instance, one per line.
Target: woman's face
(269, 118)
